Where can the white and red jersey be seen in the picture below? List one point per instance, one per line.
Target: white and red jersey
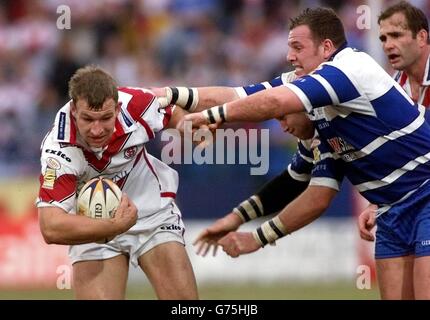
(424, 97)
(67, 164)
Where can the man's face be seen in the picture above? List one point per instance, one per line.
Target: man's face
(401, 49)
(303, 53)
(297, 124)
(95, 127)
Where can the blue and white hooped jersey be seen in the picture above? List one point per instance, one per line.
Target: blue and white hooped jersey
(301, 164)
(370, 129)
(283, 79)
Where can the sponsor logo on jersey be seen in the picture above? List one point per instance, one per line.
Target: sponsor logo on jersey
(130, 152)
(339, 145)
(61, 126)
(171, 227)
(53, 163)
(58, 153)
(49, 178)
(126, 119)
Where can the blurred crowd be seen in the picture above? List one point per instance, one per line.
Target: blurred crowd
(142, 43)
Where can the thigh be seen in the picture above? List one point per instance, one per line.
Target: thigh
(395, 277)
(101, 279)
(422, 278)
(169, 270)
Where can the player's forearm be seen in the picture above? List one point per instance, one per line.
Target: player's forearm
(213, 96)
(268, 104)
(310, 205)
(307, 207)
(58, 227)
(198, 99)
(280, 191)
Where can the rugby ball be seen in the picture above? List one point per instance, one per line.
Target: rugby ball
(99, 198)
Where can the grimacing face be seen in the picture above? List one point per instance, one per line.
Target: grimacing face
(401, 49)
(303, 53)
(95, 127)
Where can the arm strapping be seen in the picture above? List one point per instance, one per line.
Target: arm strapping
(271, 198)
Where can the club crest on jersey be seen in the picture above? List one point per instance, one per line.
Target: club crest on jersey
(317, 154)
(130, 152)
(314, 147)
(53, 163)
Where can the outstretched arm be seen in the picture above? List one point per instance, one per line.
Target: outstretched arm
(271, 198)
(202, 98)
(264, 105)
(310, 205)
(195, 99)
(207, 240)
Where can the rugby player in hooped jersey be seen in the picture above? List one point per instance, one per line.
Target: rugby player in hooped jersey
(102, 132)
(404, 34)
(371, 131)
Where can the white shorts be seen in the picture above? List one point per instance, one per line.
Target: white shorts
(163, 226)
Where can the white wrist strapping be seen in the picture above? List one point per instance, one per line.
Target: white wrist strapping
(216, 114)
(250, 209)
(270, 231)
(186, 98)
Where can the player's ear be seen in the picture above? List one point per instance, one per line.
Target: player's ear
(422, 37)
(328, 48)
(118, 107)
(73, 109)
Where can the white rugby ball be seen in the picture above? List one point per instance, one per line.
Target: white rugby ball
(99, 198)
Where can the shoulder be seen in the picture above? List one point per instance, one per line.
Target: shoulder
(357, 63)
(54, 153)
(364, 72)
(136, 100)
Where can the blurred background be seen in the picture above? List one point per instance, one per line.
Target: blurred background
(152, 43)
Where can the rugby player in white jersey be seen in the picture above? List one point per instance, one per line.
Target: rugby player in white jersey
(404, 34)
(370, 131)
(102, 132)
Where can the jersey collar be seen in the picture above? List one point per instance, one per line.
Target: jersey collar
(342, 46)
(65, 125)
(402, 76)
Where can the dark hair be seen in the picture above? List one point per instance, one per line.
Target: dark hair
(415, 18)
(94, 85)
(324, 23)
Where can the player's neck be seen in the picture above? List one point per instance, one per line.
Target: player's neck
(416, 71)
